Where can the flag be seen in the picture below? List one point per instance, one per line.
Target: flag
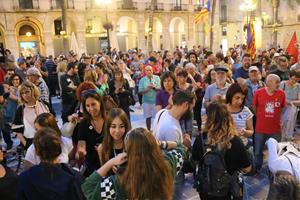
(292, 49)
(251, 48)
(203, 13)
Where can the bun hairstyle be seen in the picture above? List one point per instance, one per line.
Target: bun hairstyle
(47, 144)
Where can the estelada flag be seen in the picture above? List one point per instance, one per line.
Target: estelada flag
(251, 48)
(203, 13)
(292, 49)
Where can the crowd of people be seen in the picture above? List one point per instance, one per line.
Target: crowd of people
(207, 113)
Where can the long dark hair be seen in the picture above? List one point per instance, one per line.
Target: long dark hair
(92, 94)
(108, 141)
(48, 120)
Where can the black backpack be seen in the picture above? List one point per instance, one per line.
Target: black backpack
(213, 178)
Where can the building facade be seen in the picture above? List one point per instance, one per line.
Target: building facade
(35, 26)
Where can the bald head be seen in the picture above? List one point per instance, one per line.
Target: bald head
(272, 77)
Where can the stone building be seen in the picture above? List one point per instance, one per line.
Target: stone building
(31, 26)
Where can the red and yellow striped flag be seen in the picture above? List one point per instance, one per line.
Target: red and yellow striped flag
(251, 48)
(199, 17)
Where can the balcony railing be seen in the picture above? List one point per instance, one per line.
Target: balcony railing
(126, 5)
(158, 6)
(180, 7)
(57, 4)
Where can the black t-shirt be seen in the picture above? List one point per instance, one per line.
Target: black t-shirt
(8, 185)
(87, 133)
(68, 95)
(236, 157)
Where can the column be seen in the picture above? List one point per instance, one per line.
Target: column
(48, 43)
(11, 42)
(191, 32)
(166, 33)
(141, 32)
(80, 32)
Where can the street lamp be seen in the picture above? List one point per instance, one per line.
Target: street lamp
(247, 7)
(107, 26)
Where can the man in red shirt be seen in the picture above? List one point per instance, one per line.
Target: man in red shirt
(268, 103)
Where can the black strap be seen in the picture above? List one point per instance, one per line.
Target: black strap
(294, 173)
(160, 116)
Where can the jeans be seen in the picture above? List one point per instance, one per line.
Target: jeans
(260, 140)
(179, 183)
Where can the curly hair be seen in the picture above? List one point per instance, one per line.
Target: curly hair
(219, 126)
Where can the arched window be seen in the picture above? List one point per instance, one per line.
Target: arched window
(26, 30)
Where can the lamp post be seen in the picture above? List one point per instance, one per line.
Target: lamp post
(108, 25)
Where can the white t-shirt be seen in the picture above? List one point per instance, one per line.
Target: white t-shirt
(167, 128)
(66, 148)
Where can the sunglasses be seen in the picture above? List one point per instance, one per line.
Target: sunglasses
(89, 91)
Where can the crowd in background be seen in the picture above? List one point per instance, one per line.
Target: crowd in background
(191, 99)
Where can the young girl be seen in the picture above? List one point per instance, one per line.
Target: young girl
(113, 142)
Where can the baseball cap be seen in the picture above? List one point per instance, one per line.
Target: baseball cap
(253, 68)
(276, 55)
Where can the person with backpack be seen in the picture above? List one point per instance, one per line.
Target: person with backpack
(222, 158)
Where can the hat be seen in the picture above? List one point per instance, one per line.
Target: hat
(33, 71)
(253, 68)
(221, 68)
(276, 55)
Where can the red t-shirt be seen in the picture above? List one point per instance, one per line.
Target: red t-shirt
(268, 110)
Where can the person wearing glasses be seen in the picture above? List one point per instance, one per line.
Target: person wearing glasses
(69, 83)
(30, 108)
(11, 95)
(283, 68)
(268, 104)
(144, 171)
(91, 130)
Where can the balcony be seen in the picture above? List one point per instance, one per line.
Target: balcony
(158, 6)
(57, 4)
(126, 5)
(180, 7)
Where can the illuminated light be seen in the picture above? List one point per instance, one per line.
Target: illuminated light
(62, 32)
(28, 34)
(106, 2)
(92, 31)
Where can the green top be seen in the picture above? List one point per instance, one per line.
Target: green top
(97, 187)
(102, 89)
(150, 96)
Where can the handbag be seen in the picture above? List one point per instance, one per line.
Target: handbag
(109, 102)
(67, 129)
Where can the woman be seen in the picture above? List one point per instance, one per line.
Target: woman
(113, 141)
(61, 70)
(91, 130)
(120, 91)
(8, 180)
(168, 84)
(26, 113)
(42, 121)
(222, 136)
(210, 78)
(291, 89)
(10, 108)
(181, 78)
(90, 75)
(49, 179)
(241, 114)
(146, 174)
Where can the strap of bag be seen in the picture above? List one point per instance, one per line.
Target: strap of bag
(293, 169)
(160, 116)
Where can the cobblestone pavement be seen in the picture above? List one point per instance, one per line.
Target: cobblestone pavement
(255, 188)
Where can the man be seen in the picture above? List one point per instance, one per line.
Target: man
(82, 66)
(135, 63)
(217, 90)
(242, 72)
(69, 82)
(152, 63)
(268, 103)
(253, 83)
(35, 77)
(283, 68)
(167, 128)
(148, 86)
(50, 65)
(21, 70)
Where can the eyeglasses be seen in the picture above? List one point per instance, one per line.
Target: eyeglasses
(89, 91)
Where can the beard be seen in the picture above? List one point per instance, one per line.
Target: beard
(187, 115)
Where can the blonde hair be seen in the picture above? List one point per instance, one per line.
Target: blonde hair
(90, 75)
(61, 67)
(34, 90)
